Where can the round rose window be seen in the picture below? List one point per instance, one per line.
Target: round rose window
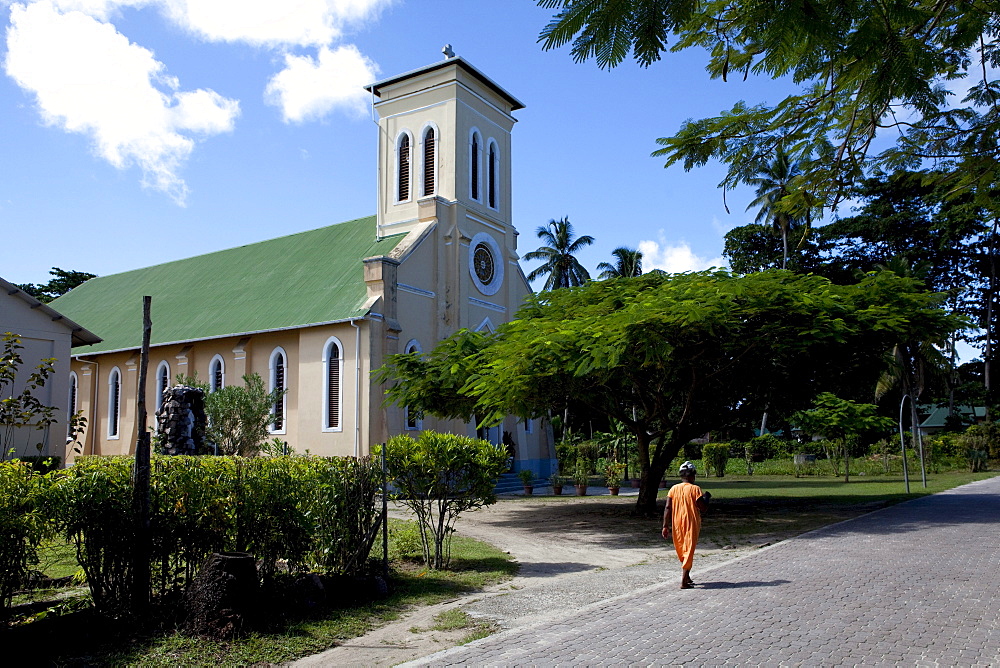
(482, 259)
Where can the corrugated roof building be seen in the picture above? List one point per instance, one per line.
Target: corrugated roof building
(313, 313)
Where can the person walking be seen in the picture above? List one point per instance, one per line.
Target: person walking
(682, 519)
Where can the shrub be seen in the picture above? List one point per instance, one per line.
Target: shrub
(307, 512)
(42, 463)
(613, 473)
(91, 503)
(581, 474)
(982, 437)
(566, 453)
(768, 446)
(715, 457)
(23, 524)
(692, 451)
(440, 476)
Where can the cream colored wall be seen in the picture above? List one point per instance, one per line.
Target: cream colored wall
(41, 338)
(305, 381)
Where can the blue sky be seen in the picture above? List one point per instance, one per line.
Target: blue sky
(135, 132)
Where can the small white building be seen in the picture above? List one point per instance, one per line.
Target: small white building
(44, 333)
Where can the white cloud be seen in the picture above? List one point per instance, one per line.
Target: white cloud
(89, 79)
(271, 23)
(674, 257)
(309, 88)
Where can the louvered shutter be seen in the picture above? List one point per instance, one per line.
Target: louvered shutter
(403, 192)
(429, 155)
(333, 388)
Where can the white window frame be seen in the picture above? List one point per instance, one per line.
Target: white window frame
(332, 341)
(73, 397)
(114, 403)
(413, 346)
(272, 372)
(159, 384)
(475, 180)
(395, 183)
(218, 359)
(437, 158)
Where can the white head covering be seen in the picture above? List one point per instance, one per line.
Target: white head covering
(687, 468)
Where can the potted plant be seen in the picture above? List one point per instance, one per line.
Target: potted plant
(581, 477)
(613, 473)
(527, 476)
(557, 483)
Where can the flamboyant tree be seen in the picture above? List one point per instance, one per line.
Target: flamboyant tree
(672, 357)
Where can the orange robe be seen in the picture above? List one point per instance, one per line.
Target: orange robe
(686, 520)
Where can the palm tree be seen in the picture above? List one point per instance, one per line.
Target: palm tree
(564, 270)
(628, 263)
(775, 182)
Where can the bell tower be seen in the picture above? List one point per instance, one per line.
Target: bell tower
(444, 143)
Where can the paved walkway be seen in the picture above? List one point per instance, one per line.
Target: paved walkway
(915, 584)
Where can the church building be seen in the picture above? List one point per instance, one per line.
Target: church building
(315, 312)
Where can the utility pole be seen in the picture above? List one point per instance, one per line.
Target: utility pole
(140, 479)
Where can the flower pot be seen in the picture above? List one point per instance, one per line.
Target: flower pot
(528, 489)
(635, 482)
(613, 490)
(557, 489)
(663, 484)
(581, 490)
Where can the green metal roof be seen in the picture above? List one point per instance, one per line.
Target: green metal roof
(302, 279)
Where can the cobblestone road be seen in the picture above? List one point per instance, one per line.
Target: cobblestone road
(915, 584)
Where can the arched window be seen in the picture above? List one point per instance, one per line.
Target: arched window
(216, 374)
(74, 389)
(162, 382)
(114, 402)
(279, 382)
(403, 168)
(430, 167)
(333, 369)
(492, 170)
(475, 148)
(412, 420)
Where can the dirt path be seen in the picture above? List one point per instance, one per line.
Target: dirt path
(566, 547)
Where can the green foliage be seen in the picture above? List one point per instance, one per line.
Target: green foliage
(860, 68)
(566, 453)
(768, 446)
(62, 282)
(22, 413)
(23, 524)
(581, 473)
(613, 473)
(672, 357)
(715, 457)
(440, 476)
(91, 504)
(432, 382)
(42, 463)
(305, 512)
(982, 437)
(526, 476)
(238, 417)
(978, 460)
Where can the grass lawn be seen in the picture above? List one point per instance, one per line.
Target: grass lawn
(757, 510)
(80, 638)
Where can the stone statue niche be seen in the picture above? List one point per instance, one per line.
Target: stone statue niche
(180, 421)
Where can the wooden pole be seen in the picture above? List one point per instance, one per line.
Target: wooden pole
(140, 478)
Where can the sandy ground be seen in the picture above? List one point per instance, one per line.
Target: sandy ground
(569, 548)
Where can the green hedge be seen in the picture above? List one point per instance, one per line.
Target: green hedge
(715, 457)
(299, 513)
